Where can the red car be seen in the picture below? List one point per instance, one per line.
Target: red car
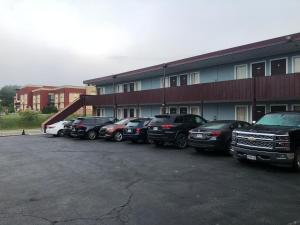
(114, 131)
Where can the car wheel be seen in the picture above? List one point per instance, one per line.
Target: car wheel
(118, 136)
(92, 135)
(60, 133)
(158, 143)
(296, 163)
(181, 141)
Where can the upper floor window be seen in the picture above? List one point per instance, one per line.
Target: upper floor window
(278, 66)
(296, 64)
(173, 81)
(195, 78)
(101, 90)
(129, 87)
(258, 69)
(241, 72)
(183, 79)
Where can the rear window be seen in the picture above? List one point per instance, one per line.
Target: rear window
(162, 119)
(133, 123)
(85, 120)
(215, 125)
(122, 122)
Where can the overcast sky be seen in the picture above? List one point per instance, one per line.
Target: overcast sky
(60, 42)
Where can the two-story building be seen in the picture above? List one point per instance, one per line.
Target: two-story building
(242, 83)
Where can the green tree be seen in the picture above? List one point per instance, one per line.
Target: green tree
(7, 94)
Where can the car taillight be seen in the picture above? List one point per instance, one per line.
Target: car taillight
(138, 130)
(216, 133)
(167, 126)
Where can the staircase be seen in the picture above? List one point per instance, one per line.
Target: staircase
(64, 113)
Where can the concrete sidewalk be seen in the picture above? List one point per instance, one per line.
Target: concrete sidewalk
(4, 133)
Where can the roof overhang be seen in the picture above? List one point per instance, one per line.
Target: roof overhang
(276, 46)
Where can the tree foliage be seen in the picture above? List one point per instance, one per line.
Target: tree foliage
(7, 94)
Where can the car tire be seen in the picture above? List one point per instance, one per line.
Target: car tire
(181, 141)
(296, 163)
(118, 136)
(92, 135)
(60, 133)
(158, 143)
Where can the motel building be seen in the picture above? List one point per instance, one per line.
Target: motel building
(242, 83)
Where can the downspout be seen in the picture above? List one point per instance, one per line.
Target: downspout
(253, 99)
(114, 96)
(164, 89)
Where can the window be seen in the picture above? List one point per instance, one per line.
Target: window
(195, 78)
(278, 66)
(296, 64)
(296, 108)
(241, 112)
(131, 87)
(173, 81)
(101, 90)
(173, 110)
(195, 110)
(101, 112)
(260, 112)
(183, 79)
(278, 108)
(183, 110)
(125, 88)
(258, 69)
(167, 82)
(241, 72)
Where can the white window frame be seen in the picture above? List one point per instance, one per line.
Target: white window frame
(286, 66)
(177, 80)
(293, 106)
(293, 62)
(187, 79)
(247, 111)
(167, 110)
(262, 61)
(190, 77)
(101, 90)
(286, 106)
(235, 67)
(198, 110)
(187, 109)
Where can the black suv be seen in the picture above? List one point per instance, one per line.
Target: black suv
(173, 129)
(136, 130)
(275, 138)
(88, 127)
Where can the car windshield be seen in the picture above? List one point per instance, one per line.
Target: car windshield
(215, 125)
(121, 122)
(280, 119)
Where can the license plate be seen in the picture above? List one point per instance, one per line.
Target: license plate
(129, 130)
(199, 135)
(155, 128)
(251, 157)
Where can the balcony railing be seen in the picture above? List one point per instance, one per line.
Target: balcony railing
(271, 88)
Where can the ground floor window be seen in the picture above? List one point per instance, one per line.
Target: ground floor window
(173, 110)
(296, 108)
(100, 112)
(241, 112)
(183, 110)
(195, 110)
(278, 108)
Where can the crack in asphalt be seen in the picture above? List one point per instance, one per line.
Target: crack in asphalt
(114, 213)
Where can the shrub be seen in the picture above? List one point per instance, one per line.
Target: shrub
(29, 116)
(49, 109)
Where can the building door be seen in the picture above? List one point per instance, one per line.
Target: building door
(125, 113)
(183, 110)
(131, 112)
(173, 81)
(183, 79)
(260, 112)
(278, 67)
(241, 112)
(258, 69)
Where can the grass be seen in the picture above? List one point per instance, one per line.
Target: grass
(15, 122)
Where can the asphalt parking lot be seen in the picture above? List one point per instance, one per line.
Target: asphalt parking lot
(63, 181)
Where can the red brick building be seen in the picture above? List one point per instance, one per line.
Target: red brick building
(36, 97)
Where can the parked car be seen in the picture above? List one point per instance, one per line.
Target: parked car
(56, 129)
(68, 128)
(136, 130)
(275, 139)
(215, 135)
(88, 127)
(173, 129)
(114, 131)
